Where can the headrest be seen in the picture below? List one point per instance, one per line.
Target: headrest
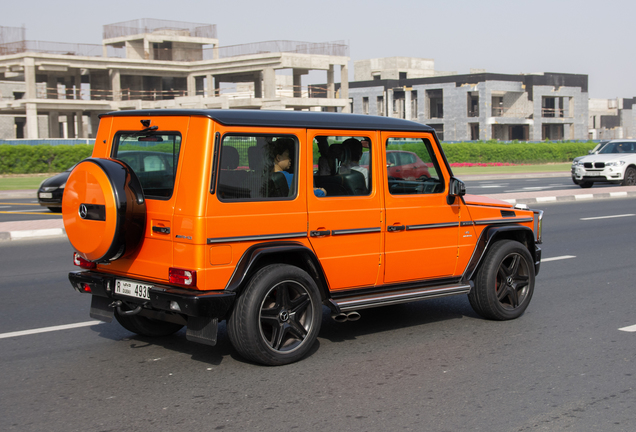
(229, 157)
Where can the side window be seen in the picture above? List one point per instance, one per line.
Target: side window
(257, 167)
(153, 157)
(342, 166)
(412, 167)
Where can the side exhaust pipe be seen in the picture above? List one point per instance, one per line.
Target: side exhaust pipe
(344, 317)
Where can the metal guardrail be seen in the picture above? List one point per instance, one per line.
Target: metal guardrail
(150, 25)
(49, 141)
(335, 48)
(62, 48)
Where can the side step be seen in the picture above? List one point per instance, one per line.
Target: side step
(386, 298)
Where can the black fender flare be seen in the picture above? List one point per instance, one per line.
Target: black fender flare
(493, 233)
(291, 252)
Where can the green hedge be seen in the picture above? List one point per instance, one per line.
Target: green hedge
(26, 159)
(515, 152)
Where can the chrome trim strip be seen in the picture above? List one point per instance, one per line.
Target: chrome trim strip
(355, 231)
(503, 221)
(539, 214)
(385, 299)
(428, 226)
(466, 223)
(256, 237)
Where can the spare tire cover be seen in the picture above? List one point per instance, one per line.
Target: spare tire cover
(103, 209)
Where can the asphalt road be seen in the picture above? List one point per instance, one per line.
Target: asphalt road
(432, 365)
(18, 209)
(515, 185)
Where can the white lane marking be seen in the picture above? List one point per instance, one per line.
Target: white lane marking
(491, 186)
(6, 206)
(558, 258)
(628, 329)
(48, 329)
(618, 194)
(609, 217)
(584, 196)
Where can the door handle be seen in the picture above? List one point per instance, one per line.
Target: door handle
(161, 230)
(323, 233)
(393, 228)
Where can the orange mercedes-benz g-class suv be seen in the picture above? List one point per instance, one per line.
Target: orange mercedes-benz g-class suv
(261, 218)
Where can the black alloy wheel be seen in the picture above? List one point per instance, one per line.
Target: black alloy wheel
(505, 282)
(630, 177)
(277, 318)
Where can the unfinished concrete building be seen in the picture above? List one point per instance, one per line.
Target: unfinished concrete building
(612, 118)
(58, 90)
(480, 106)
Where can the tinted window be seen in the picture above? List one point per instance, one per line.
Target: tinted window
(342, 166)
(412, 167)
(153, 157)
(257, 167)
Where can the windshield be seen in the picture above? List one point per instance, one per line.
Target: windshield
(619, 147)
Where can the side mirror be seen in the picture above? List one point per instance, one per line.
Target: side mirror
(456, 188)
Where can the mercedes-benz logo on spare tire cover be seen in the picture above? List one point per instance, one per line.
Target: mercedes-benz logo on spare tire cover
(83, 211)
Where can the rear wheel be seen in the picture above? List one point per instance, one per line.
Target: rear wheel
(630, 177)
(505, 282)
(277, 318)
(586, 185)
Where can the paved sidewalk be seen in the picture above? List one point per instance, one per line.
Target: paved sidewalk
(55, 227)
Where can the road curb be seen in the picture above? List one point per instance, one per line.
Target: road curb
(571, 198)
(31, 234)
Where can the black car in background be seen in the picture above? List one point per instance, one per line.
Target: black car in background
(149, 166)
(51, 190)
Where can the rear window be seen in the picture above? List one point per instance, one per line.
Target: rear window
(153, 157)
(258, 167)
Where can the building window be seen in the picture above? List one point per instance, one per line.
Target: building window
(435, 103)
(497, 106)
(402, 75)
(365, 105)
(380, 102)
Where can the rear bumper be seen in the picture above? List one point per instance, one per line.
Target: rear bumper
(191, 303)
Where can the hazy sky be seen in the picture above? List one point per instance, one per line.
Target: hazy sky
(596, 38)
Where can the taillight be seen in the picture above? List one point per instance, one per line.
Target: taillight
(182, 277)
(82, 263)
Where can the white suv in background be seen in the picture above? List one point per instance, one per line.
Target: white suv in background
(614, 163)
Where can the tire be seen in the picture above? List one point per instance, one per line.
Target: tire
(55, 209)
(574, 180)
(505, 282)
(586, 185)
(104, 210)
(277, 318)
(146, 326)
(629, 179)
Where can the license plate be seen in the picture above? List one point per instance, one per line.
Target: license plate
(592, 174)
(46, 195)
(132, 289)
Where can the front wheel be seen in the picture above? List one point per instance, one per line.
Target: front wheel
(277, 318)
(505, 282)
(586, 185)
(629, 179)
